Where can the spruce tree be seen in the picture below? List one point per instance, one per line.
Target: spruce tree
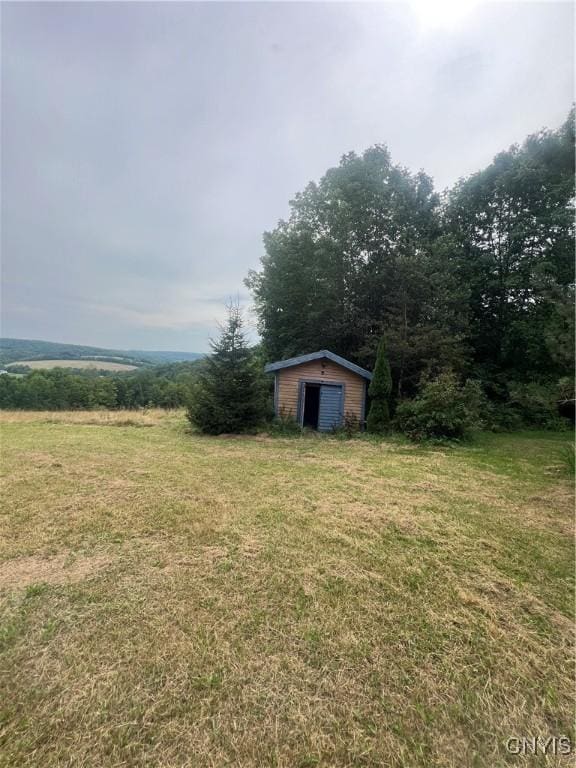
(230, 394)
(379, 390)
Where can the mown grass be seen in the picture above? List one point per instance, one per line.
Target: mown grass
(174, 600)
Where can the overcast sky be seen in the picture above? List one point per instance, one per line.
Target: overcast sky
(147, 147)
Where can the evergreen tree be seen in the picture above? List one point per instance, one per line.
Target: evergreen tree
(379, 390)
(230, 394)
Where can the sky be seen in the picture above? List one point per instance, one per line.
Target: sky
(146, 147)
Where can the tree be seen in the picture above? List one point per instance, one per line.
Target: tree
(379, 390)
(512, 229)
(480, 282)
(356, 259)
(104, 392)
(230, 394)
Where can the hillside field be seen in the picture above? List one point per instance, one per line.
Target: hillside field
(174, 600)
(21, 350)
(95, 365)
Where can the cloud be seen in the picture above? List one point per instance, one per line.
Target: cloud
(146, 147)
(163, 318)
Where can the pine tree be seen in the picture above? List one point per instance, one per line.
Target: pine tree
(379, 390)
(230, 395)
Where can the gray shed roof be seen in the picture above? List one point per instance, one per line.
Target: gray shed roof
(323, 353)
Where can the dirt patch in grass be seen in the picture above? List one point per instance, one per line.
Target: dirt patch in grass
(64, 568)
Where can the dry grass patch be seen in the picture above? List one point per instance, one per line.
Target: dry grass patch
(291, 602)
(93, 365)
(64, 568)
(146, 417)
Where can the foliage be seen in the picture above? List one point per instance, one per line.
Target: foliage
(512, 228)
(58, 389)
(19, 368)
(230, 395)
(379, 390)
(349, 428)
(357, 258)
(566, 388)
(350, 425)
(480, 282)
(284, 425)
(443, 410)
(378, 421)
(536, 405)
(500, 417)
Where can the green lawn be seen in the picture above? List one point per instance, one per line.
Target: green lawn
(172, 600)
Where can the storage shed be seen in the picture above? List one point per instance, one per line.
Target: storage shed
(320, 390)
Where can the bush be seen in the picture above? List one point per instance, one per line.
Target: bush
(284, 425)
(378, 421)
(443, 410)
(519, 405)
(536, 405)
(349, 428)
(501, 417)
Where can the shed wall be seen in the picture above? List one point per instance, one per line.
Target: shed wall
(288, 380)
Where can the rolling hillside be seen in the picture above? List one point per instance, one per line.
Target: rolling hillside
(16, 350)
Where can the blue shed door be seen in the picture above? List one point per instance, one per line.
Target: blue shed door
(331, 407)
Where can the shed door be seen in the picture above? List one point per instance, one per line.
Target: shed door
(331, 407)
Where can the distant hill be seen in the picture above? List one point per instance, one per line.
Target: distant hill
(15, 350)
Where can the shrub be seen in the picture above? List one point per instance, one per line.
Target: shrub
(349, 428)
(378, 420)
(284, 425)
(519, 405)
(443, 410)
(501, 417)
(536, 405)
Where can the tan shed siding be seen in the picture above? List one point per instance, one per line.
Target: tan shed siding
(320, 370)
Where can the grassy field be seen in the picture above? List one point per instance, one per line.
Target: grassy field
(96, 365)
(173, 600)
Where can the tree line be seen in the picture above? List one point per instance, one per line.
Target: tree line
(478, 281)
(166, 386)
(468, 296)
